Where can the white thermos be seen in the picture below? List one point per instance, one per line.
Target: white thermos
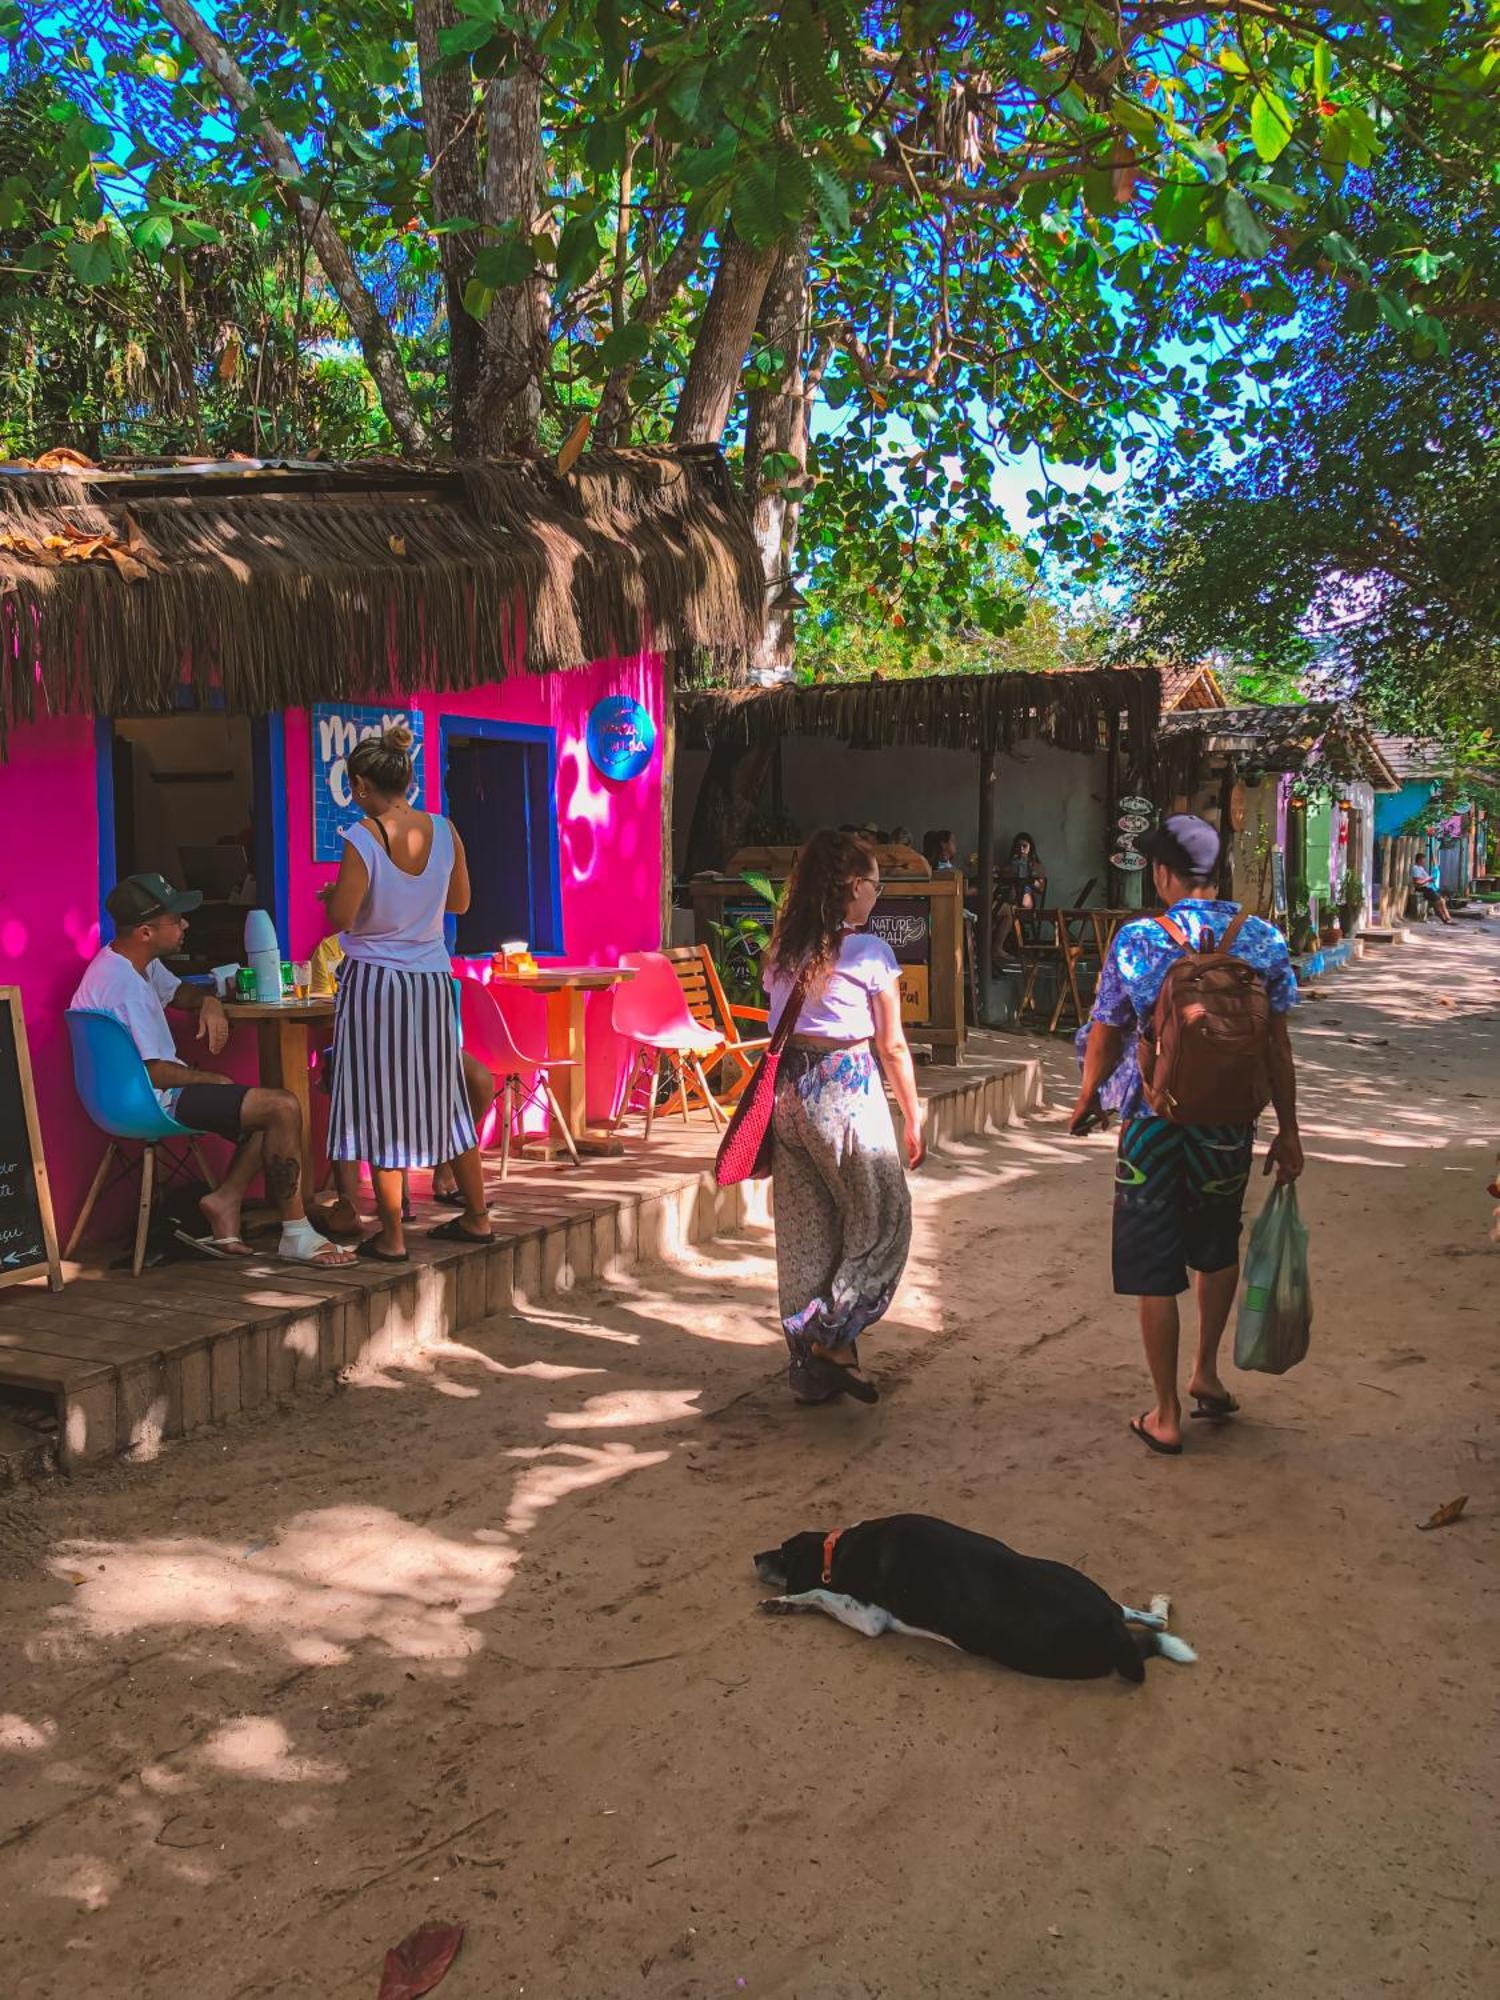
(263, 955)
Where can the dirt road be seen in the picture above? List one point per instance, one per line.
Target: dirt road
(480, 1642)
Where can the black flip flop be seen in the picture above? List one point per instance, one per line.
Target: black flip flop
(454, 1232)
(449, 1198)
(1216, 1409)
(1138, 1425)
(369, 1252)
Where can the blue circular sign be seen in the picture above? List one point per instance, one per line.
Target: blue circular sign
(621, 737)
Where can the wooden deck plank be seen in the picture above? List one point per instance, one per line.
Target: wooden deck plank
(26, 1366)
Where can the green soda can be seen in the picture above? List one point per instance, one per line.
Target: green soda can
(244, 983)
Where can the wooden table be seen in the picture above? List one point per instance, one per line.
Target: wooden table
(567, 988)
(283, 1030)
(1074, 936)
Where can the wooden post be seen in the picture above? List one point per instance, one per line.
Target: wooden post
(668, 790)
(986, 887)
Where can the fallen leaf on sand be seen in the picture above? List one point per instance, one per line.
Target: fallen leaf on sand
(1445, 999)
(415, 1966)
(1446, 1515)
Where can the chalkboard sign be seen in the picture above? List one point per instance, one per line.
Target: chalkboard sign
(28, 1240)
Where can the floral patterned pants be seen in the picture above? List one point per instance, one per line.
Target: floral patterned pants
(843, 1212)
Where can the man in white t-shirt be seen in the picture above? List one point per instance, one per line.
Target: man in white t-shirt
(129, 981)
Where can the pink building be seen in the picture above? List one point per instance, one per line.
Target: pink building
(183, 700)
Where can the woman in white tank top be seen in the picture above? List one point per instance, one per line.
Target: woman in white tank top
(398, 1088)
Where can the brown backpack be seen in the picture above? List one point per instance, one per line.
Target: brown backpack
(1207, 1057)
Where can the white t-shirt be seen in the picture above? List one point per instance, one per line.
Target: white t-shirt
(113, 986)
(844, 1011)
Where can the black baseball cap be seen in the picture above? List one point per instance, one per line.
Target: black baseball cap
(1188, 846)
(139, 898)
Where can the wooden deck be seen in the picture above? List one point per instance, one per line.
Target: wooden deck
(115, 1364)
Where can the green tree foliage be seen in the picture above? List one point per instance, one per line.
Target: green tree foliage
(1357, 543)
(1062, 228)
(233, 345)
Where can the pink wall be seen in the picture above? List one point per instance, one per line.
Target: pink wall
(49, 925)
(610, 851)
(609, 835)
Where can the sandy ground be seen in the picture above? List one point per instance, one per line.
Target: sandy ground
(480, 1642)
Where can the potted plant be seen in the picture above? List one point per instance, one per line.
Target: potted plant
(1299, 922)
(1351, 901)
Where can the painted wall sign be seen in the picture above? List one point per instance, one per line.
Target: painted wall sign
(621, 737)
(1135, 804)
(336, 728)
(1127, 859)
(906, 925)
(1134, 823)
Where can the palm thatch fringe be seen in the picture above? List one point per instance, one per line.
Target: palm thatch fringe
(985, 711)
(283, 586)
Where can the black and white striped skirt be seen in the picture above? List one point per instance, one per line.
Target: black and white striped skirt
(397, 1080)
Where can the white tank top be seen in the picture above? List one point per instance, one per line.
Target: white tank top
(400, 921)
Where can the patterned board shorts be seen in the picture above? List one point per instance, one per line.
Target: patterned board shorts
(1179, 1193)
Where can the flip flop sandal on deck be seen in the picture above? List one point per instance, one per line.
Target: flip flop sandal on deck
(228, 1249)
(454, 1232)
(1217, 1409)
(368, 1250)
(1138, 1425)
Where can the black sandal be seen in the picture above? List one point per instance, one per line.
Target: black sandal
(1138, 1425)
(454, 1232)
(1216, 1409)
(369, 1251)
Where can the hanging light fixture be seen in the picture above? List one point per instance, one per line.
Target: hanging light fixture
(787, 597)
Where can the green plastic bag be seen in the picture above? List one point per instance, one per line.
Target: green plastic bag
(1275, 1314)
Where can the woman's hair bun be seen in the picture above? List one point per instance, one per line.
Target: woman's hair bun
(399, 736)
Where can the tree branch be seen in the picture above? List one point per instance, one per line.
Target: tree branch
(376, 341)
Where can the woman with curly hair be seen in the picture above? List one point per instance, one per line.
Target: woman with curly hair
(843, 1213)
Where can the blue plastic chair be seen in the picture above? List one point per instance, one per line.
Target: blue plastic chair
(119, 1096)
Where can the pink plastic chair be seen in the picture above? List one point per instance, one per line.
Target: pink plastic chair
(652, 1014)
(521, 1078)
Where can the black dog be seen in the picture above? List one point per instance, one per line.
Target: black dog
(910, 1573)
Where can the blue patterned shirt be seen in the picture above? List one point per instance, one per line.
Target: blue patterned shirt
(1136, 966)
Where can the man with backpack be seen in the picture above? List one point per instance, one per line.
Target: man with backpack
(1189, 1029)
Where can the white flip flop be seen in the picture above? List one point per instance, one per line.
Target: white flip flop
(229, 1249)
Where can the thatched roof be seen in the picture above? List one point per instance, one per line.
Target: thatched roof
(945, 711)
(287, 584)
(1288, 737)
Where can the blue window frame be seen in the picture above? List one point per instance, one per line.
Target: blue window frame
(268, 779)
(499, 788)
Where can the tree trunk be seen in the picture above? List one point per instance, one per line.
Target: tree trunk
(723, 341)
(777, 422)
(733, 781)
(612, 424)
(516, 331)
(450, 120)
(367, 323)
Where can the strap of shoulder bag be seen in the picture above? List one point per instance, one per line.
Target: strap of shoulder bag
(786, 1027)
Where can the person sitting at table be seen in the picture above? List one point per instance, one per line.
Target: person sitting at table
(128, 980)
(1022, 877)
(341, 1217)
(940, 850)
(398, 1087)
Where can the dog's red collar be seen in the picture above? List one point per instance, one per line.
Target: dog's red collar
(830, 1543)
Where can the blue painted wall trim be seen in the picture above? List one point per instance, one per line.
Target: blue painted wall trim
(514, 732)
(272, 851)
(104, 805)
